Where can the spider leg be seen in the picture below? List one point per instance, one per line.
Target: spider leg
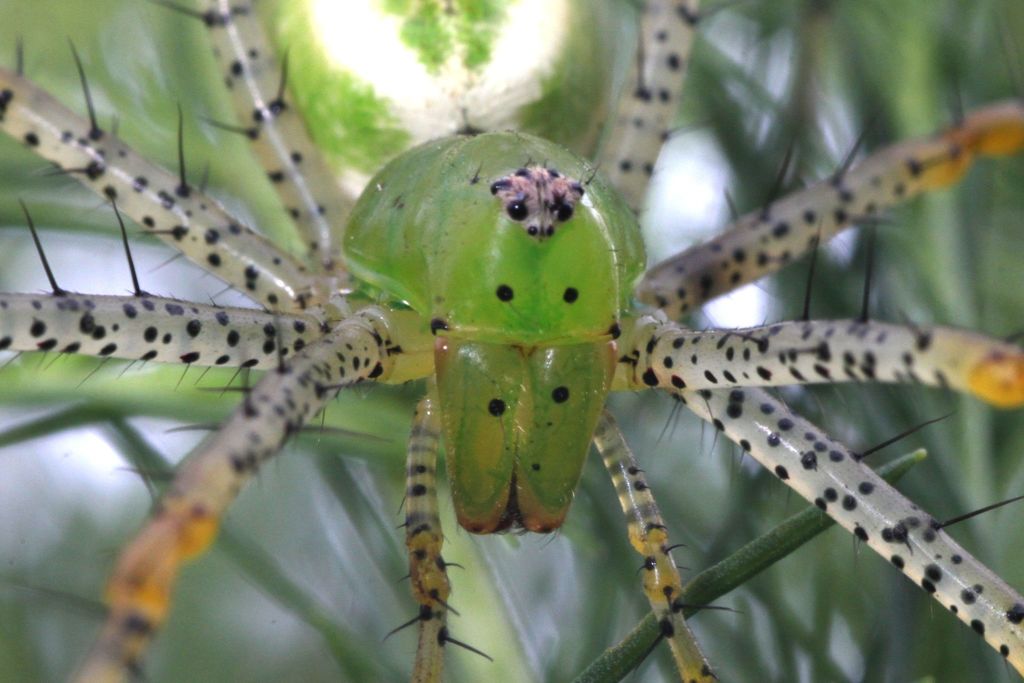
(647, 107)
(649, 536)
(877, 514)
(423, 537)
(765, 240)
(800, 352)
(257, 83)
(151, 328)
(187, 518)
(178, 214)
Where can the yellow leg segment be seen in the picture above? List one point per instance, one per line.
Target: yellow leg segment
(649, 537)
(769, 238)
(423, 538)
(186, 521)
(671, 356)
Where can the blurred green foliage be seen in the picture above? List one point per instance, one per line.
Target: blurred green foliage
(306, 583)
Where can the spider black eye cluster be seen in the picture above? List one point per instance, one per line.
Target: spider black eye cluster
(539, 197)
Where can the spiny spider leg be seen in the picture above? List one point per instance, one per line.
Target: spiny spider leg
(178, 214)
(765, 240)
(669, 355)
(682, 361)
(869, 508)
(187, 518)
(423, 538)
(650, 97)
(257, 82)
(649, 536)
(150, 328)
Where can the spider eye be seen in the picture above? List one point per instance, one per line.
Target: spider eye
(517, 210)
(564, 212)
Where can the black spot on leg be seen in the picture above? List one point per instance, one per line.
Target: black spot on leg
(560, 394)
(1015, 614)
(137, 624)
(496, 407)
(504, 293)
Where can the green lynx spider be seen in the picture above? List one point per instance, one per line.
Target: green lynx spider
(665, 339)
